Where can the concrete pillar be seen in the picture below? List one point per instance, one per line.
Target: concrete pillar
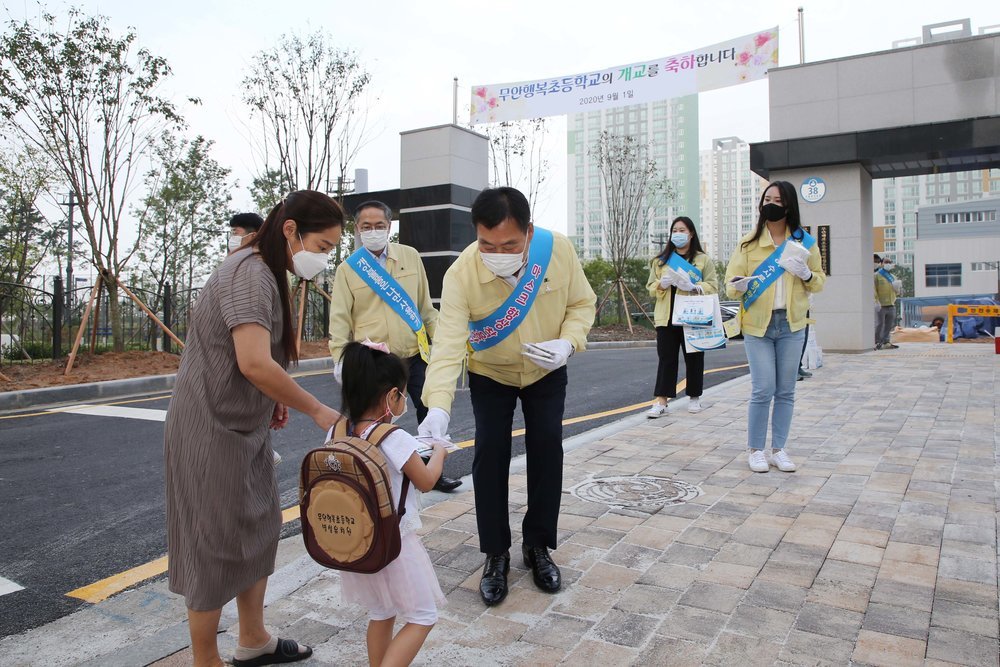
(442, 169)
(844, 311)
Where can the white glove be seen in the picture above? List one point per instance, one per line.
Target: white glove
(795, 266)
(435, 424)
(897, 286)
(741, 284)
(684, 283)
(338, 372)
(559, 351)
(666, 281)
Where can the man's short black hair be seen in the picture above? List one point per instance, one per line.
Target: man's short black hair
(250, 221)
(494, 205)
(877, 258)
(374, 203)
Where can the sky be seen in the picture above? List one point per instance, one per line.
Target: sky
(414, 49)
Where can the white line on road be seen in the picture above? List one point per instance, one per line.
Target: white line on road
(8, 586)
(115, 411)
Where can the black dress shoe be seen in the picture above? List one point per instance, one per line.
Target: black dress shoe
(493, 585)
(447, 483)
(545, 573)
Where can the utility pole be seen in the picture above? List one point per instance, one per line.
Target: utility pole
(71, 204)
(454, 103)
(802, 39)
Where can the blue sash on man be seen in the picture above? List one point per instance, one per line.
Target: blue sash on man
(770, 271)
(885, 274)
(489, 331)
(678, 263)
(392, 293)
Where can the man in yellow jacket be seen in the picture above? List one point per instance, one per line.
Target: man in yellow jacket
(887, 287)
(358, 311)
(518, 299)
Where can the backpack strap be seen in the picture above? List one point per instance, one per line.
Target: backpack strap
(340, 429)
(376, 436)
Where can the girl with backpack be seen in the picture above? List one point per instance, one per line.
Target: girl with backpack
(373, 393)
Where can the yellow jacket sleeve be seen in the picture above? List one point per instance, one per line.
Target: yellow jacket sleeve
(815, 264)
(653, 282)
(341, 306)
(737, 268)
(709, 282)
(450, 339)
(581, 307)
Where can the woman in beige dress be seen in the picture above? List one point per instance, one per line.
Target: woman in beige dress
(223, 515)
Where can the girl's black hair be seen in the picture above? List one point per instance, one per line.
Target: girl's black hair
(693, 247)
(312, 212)
(790, 200)
(368, 375)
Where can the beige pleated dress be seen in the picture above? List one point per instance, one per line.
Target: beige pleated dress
(223, 515)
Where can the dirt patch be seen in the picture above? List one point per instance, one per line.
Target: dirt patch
(614, 332)
(109, 366)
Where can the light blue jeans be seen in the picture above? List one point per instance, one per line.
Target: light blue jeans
(774, 365)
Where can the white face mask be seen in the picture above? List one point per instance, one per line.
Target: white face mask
(235, 242)
(307, 265)
(394, 417)
(503, 264)
(375, 240)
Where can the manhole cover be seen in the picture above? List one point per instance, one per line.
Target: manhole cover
(635, 491)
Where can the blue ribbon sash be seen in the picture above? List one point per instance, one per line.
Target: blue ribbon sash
(678, 263)
(770, 271)
(885, 274)
(487, 332)
(392, 293)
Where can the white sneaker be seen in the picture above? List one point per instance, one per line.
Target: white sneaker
(694, 405)
(656, 411)
(277, 457)
(779, 459)
(757, 461)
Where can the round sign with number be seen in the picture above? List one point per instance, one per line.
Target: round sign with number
(813, 189)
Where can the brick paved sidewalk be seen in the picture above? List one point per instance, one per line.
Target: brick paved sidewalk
(881, 549)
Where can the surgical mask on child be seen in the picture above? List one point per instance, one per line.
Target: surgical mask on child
(393, 417)
(307, 265)
(502, 264)
(375, 240)
(680, 239)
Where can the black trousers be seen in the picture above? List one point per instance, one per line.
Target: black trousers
(415, 385)
(542, 404)
(669, 342)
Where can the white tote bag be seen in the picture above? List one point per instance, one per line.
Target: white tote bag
(710, 336)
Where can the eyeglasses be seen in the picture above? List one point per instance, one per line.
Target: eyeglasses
(377, 227)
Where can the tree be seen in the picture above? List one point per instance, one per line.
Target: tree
(633, 188)
(87, 99)
(306, 95)
(518, 156)
(267, 189)
(25, 234)
(905, 274)
(183, 214)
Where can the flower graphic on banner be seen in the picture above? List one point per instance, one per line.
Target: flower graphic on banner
(760, 51)
(483, 103)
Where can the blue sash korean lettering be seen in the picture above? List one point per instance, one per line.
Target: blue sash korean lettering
(678, 263)
(770, 271)
(392, 293)
(490, 330)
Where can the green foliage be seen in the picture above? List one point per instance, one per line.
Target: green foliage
(267, 189)
(905, 274)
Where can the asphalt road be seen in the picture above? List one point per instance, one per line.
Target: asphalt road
(83, 493)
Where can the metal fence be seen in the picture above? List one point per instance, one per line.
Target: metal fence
(41, 324)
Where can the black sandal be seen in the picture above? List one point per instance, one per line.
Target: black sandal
(287, 650)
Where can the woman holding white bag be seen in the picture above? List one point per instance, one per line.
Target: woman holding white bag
(682, 268)
(772, 271)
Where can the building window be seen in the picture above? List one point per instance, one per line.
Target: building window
(943, 275)
(984, 266)
(890, 232)
(890, 246)
(965, 216)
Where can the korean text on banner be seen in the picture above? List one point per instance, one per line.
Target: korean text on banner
(728, 63)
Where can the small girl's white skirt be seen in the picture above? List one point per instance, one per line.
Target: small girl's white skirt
(407, 587)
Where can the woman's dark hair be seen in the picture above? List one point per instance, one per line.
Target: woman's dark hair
(368, 374)
(790, 200)
(494, 205)
(693, 247)
(312, 212)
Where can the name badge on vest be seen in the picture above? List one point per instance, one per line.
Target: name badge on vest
(392, 293)
(487, 332)
(770, 271)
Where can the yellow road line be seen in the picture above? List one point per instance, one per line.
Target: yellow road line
(116, 583)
